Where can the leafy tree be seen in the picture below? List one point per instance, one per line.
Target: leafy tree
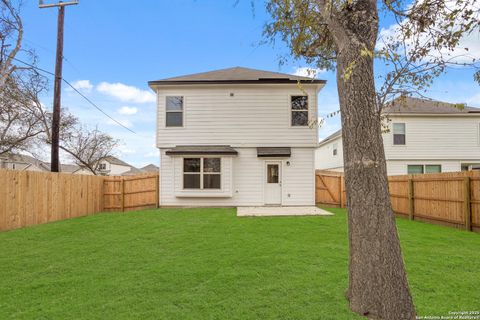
(343, 35)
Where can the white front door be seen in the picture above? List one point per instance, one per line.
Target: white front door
(273, 182)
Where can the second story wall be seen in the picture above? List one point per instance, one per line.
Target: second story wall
(237, 115)
(435, 137)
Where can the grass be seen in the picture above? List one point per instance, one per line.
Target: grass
(209, 264)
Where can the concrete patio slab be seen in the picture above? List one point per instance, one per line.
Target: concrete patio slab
(281, 211)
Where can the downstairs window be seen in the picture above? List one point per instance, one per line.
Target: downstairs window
(202, 173)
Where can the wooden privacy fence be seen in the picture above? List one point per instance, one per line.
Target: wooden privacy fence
(451, 199)
(131, 193)
(29, 198)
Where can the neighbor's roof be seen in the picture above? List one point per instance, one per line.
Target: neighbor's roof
(150, 168)
(235, 75)
(409, 105)
(334, 135)
(114, 160)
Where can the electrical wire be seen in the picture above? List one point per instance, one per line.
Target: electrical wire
(77, 91)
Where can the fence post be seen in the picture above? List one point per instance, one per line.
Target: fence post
(157, 187)
(466, 204)
(123, 193)
(411, 198)
(342, 200)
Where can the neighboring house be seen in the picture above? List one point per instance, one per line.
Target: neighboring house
(423, 137)
(21, 162)
(112, 166)
(151, 168)
(237, 137)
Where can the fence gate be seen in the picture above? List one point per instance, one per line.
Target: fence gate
(329, 189)
(130, 193)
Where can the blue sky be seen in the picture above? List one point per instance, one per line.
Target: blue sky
(112, 48)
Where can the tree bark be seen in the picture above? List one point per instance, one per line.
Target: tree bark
(378, 286)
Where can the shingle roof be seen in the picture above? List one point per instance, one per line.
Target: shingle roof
(423, 106)
(236, 75)
(150, 168)
(334, 135)
(114, 160)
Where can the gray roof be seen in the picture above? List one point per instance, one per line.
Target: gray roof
(199, 150)
(115, 160)
(403, 105)
(150, 168)
(133, 171)
(26, 159)
(236, 75)
(334, 135)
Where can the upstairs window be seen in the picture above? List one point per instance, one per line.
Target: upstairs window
(299, 107)
(335, 149)
(174, 112)
(399, 134)
(201, 173)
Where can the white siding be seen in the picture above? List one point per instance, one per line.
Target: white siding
(442, 138)
(248, 178)
(254, 116)
(399, 167)
(446, 140)
(324, 158)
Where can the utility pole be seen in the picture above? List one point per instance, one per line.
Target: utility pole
(57, 89)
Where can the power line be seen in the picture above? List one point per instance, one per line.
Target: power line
(77, 91)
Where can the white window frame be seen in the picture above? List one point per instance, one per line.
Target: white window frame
(202, 173)
(290, 110)
(335, 149)
(424, 166)
(393, 134)
(183, 111)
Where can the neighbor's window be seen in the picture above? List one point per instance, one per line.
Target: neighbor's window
(299, 105)
(335, 149)
(415, 169)
(433, 168)
(201, 173)
(102, 166)
(174, 111)
(420, 168)
(399, 133)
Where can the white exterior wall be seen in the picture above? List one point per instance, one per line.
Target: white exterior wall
(436, 137)
(256, 116)
(449, 141)
(243, 180)
(324, 158)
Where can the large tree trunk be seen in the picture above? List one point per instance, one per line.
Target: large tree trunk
(378, 285)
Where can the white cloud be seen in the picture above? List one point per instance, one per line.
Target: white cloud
(124, 122)
(125, 150)
(474, 101)
(470, 40)
(127, 110)
(307, 72)
(153, 154)
(126, 93)
(82, 85)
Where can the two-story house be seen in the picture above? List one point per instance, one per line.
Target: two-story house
(423, 136)
(112, 166)
(237, 137)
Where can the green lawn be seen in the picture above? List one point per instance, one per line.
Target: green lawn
(209, 264)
